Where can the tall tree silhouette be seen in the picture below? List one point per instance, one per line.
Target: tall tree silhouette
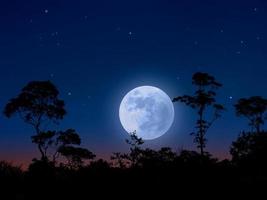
(201, 100)
(37, 104)
(254, 109)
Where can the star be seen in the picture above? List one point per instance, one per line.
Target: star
(178, 78)
(258, 38)
(58, 44)
(221, 31)
(230, 97)
(54, 34)
(130, 34)
(255, 9)
(45, 11)
(238, 52)
(242, 42)
(196, 43)
(52, 75)
(69, 93)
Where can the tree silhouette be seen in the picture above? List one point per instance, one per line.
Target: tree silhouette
(37, 104)
(75, 155)
(203, 98)
(64, 138)
(250, 149)
(44, 140)
(68, 137)
(67, 143)
(254, 109)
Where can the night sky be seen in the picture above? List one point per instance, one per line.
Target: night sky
(97, 51)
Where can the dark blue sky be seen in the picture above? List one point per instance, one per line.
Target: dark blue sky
(96, 51)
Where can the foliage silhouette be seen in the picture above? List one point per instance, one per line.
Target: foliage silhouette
(64, 138)
(192, 158)
(75, 155)
(7, 170)
(162, 159)
(37, 104)
(130, 159)
(203, 98)
(120, 160)
(65, 144)
(250, 150)
(135, 149)
(41, 169)
(44, 140)
(254, 109)
(99, 164)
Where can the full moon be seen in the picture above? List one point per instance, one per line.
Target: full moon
(148, 111)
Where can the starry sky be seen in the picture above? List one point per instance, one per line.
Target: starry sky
(97, 51)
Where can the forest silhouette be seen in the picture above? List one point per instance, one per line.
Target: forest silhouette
(66, 169)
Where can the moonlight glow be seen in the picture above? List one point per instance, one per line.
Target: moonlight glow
(148, 111)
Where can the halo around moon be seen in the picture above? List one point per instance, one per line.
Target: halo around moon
(147, 110)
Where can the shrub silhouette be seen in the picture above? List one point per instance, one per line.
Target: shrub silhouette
(193, 158)
(161, 159)
(250, 150)
(120, 160)
(99, 164)
(7, 170)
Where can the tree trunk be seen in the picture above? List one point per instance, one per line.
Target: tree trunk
(201, 132)
(43, 156)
